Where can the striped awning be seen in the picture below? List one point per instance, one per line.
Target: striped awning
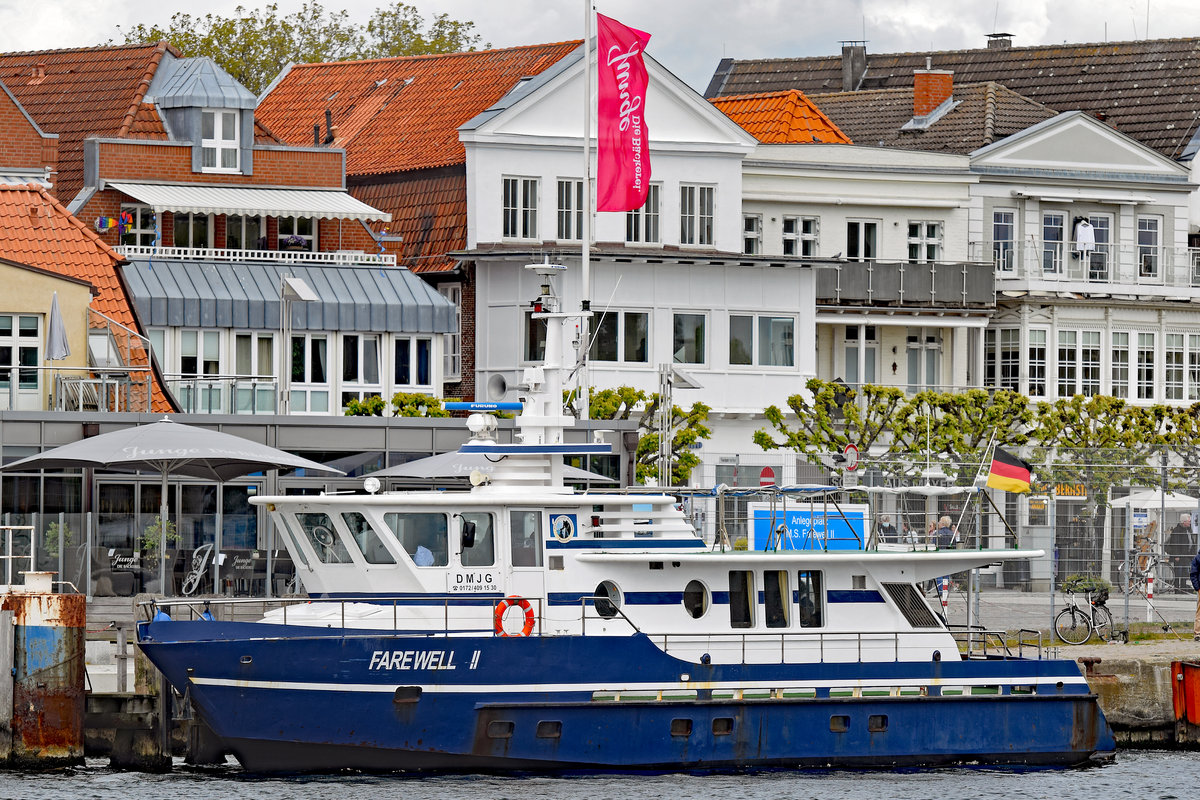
(319, 203)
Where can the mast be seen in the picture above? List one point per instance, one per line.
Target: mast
(585, 294)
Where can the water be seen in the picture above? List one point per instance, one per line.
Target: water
(1147, 775)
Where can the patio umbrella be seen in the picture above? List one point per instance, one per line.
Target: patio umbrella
(169, 448)
(57, 346)
(460, 465)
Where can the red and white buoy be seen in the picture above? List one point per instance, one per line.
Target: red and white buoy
(945, 593)
(1149, 598)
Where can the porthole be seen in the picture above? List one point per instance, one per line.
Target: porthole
(549, 729)
(877, 723)
(681, 727)
(500, 729)
(608, 599)
(839, 723)
(695, 599)
(722, 726)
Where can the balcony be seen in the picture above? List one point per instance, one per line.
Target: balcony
(225, 394)
(1119, 268)
(940, 285)
(305, 257)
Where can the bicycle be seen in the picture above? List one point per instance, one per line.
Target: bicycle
(1075, 625)
(1143, 564)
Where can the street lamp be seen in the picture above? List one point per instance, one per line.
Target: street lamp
(291, 289)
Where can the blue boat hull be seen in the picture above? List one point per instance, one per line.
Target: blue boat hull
(298, 699)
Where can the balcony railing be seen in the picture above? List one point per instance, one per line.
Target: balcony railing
(1060, 262)
(225, 394)
(321, 257)
(942, 284)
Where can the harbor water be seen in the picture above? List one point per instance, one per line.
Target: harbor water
(1152, 775)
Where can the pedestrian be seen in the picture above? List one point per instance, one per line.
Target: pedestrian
(944, 534)
(1195, 576)
(887, 531)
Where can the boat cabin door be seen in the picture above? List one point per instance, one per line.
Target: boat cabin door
(526, 539)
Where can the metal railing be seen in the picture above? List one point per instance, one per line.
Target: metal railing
(941, 284)
(320, 257)
(225, 394)
(1062, 262)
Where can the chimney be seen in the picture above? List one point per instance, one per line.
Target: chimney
(931, 88)
(999, 41)
(328, 126)
(37, 74)
(854, 65)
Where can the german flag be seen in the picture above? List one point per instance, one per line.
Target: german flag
(1008, 472)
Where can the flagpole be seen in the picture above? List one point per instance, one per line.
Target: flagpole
(978, 472)
(585, 295)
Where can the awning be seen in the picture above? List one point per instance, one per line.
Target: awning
(208, 294)
(319, 203)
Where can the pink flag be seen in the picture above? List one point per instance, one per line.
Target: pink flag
(623, 154)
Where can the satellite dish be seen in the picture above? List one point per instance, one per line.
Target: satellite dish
(497, 387)
(479, 477)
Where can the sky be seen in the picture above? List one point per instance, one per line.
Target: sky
(689, 37)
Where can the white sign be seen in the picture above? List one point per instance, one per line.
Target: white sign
(472, 582)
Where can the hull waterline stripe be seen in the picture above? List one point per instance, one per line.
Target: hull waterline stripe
(388, 688)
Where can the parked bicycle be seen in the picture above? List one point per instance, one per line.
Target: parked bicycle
(1143, 564)
(1075, 624)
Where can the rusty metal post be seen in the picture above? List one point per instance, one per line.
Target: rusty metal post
(6, 684)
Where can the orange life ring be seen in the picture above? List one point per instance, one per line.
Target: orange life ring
(507, 603)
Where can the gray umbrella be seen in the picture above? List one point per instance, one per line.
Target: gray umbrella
(169, 448)
(460, 465)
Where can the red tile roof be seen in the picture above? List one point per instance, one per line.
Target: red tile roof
(90, 91)
(781, 118)
(397, 114)
(429, 209)
(36, 229)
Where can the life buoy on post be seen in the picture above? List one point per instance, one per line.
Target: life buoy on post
(507, 603)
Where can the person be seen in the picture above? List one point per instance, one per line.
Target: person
(887, 531)
(945, 534)
(1177, 548)
(1195, 578)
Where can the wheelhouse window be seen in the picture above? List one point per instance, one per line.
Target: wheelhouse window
(641, 225)
(801, 236)
(245, 233)
(139, 226)
(777, 599)
(220, 141)
(741, 598)
(373, 550)
(519, 208)
(534, 338)
(570, 210)
(620, 336)
(322, 536)
(696, 208)
(688, 339)
(481, 550)
(775, 337)
(525, 537)
(424, 536)
(297, 233)
(810, 593)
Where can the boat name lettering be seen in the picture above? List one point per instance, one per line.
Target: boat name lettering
(468, 582)
(412, 659)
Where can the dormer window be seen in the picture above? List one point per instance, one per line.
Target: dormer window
(220, 140)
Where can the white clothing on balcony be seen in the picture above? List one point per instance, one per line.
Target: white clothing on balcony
(1085, 237)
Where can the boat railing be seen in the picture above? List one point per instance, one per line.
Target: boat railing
(979, 642)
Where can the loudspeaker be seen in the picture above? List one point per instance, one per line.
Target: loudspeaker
(497, 387)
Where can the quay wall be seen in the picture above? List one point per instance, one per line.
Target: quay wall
(1138, 696)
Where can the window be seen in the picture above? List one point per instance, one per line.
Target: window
(414, 355)
(1098, 259)
(1089, 363)
(19, 347)
(861, 238)
(482, 551)
(142, 227)
(525, 533)
(423, 535)
(1173, 366)
(1120, 364)
(696, 205)
(722, 726)
(323, 538)
(801, 236)
(310, 374)
(245, 233)
(373, 550)
(549, 729)
(924, 358)
(360, 366)
(741, 598)
(1053, 238)
(1068, 363)
(877, 723)
(570, 210)
(520, 206)
(839, 723)
(776, 598)
(1037, 363)
(535, 338)
(1148, 246)
(193, 230)
(254, 357)
(219, 141)
(775, 337)
(688, 341)
(695, 599)
(681, 727)
(641, 225)
(1010, 359)
(861, 341)
(752, 234)
(1004, 239)
(452, 342)
(297, 233)
(1193, 391)
(811, 597)
(200, 352)
(1145, 366)
(620, 336)
(924, 241)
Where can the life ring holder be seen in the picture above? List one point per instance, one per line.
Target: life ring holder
(507, 603)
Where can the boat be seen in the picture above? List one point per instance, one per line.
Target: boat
(525, 625)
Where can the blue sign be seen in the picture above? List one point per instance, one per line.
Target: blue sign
(811, 527)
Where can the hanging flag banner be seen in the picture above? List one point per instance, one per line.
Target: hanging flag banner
(1009, 472)
(623, 151)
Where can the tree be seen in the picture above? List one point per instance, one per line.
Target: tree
(689, 427)
(254, 45)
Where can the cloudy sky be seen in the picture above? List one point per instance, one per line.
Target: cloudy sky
(689, 36)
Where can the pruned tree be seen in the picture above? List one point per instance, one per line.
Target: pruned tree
(687, 427)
